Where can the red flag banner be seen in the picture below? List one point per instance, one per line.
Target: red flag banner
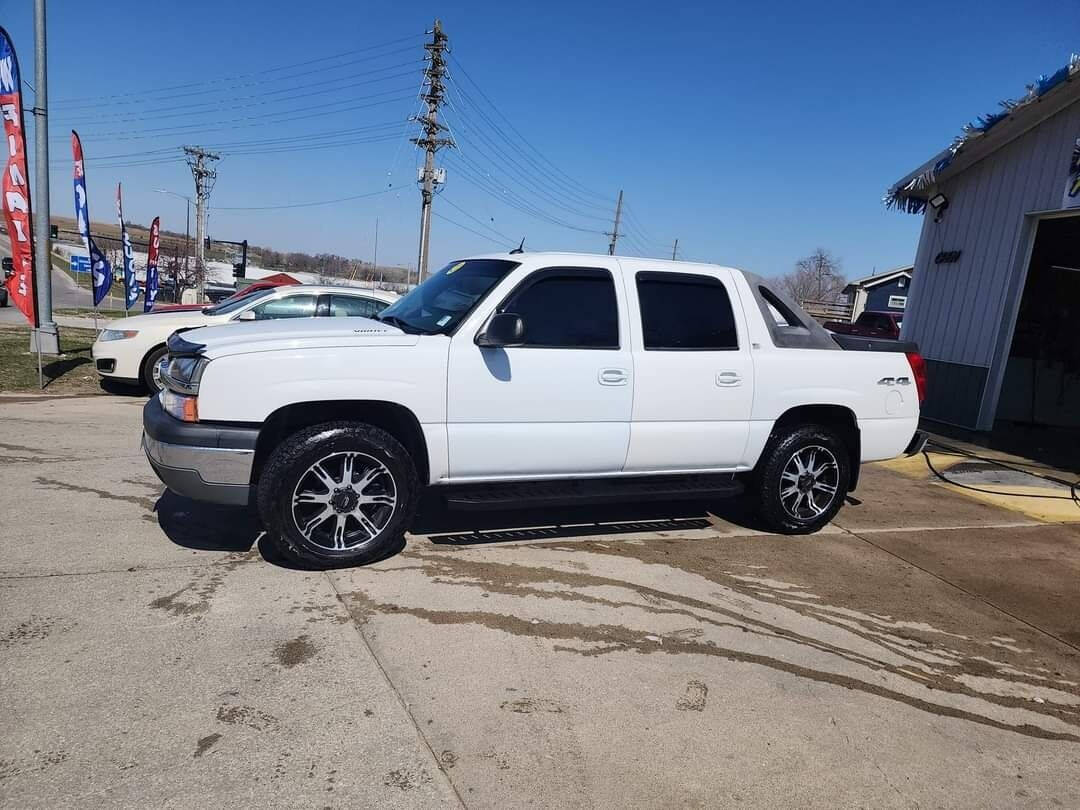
(15, 199)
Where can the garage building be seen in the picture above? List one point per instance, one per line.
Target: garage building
(994, 302)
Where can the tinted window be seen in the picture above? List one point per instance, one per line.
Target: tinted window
(294, 306)
(567, 308)
(681, 311)
(351, 306)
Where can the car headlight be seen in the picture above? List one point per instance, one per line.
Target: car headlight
(182, 374)
(180, 406)
(117, 334)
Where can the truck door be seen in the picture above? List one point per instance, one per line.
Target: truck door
(559, 404)
(694, 375)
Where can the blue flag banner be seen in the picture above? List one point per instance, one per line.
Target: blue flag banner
(151, 265)
(131, 286)
(99, 265)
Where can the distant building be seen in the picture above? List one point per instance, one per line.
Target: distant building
(881, 292)
(994, 302)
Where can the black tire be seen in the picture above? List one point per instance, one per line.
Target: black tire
(289, 471)
(803, 442)
(149, 363)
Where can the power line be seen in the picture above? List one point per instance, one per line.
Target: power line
(475, 177)
(545, 177)
(524, 140)
(478, 221)
(85, 101)
(471, 230)
(253, 100)
(237, 123)
(303, 204)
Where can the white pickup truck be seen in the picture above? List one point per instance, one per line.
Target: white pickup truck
(517, 379)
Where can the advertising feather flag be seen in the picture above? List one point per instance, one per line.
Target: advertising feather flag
(15, 196)
(131, 286)
(150, 296)
(100, 270)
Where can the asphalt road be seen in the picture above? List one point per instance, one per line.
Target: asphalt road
(923, 651)
(66, 293)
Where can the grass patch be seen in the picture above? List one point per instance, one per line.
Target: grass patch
(70, 373)
(103, 313)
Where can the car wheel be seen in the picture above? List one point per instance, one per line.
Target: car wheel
(803, 479)
(152, 368)
(338, 494)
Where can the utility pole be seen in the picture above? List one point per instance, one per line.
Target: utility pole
(197, 159)
(430, 141)
(674, 250)
(615, 231)
(46, 336)
(375, 258)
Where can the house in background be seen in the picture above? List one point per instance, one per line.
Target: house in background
(995, 298)
(881, 292)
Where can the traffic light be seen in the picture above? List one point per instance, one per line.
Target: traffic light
(54, 231)
(239, 269)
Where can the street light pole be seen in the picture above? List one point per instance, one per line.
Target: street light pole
(187, 233)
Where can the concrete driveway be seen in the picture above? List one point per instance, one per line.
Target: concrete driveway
(923, 651)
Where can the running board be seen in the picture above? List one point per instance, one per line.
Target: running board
(514, 495)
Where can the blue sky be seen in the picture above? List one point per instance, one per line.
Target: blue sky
(753, 133)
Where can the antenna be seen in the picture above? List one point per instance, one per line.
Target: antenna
(520, 248)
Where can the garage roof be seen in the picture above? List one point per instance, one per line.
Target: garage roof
(1046, 96)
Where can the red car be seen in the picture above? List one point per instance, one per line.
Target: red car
(870, 324)
(278, 280)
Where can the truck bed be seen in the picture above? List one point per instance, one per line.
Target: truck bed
(859, 343)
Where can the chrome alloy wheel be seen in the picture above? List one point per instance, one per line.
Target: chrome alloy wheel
(809, 482)
(344, 500)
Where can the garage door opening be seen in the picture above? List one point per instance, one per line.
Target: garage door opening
(1040, 397)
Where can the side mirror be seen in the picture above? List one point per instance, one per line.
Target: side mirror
(503, 329)
(246, 315)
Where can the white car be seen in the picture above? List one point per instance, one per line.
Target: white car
(131, 350)
(516, 379)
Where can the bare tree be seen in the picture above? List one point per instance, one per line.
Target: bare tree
(816, 277)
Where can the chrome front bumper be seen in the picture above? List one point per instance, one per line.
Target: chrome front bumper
(214, 474)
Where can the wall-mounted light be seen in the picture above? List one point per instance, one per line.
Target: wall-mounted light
(939, 202)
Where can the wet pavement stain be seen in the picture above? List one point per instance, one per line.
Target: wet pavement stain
(149, 504)
(246, 716)
(194, 598)
(930, 660)
(531, 706)
(204, 744)
(36, 628)
(295, 651)
(406, 778)
(694, 699)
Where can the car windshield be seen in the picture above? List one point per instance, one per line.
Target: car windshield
(447, 297)
(235, 303)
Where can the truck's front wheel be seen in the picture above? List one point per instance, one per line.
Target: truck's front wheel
(803, 479)
(337, 494)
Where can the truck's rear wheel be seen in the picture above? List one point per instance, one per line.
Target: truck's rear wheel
(338, 494)
(803, 479)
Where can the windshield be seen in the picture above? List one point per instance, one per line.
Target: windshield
(236, 302)
(443, 301)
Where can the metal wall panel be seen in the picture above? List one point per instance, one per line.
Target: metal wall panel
(960, 313)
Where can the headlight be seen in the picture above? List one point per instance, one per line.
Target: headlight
(182, 374)
(179, 406)
(117, 334)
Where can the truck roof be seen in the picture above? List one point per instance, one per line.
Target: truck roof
(661, 264)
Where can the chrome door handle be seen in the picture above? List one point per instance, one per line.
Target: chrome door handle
(728, 379)
(613, 376)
